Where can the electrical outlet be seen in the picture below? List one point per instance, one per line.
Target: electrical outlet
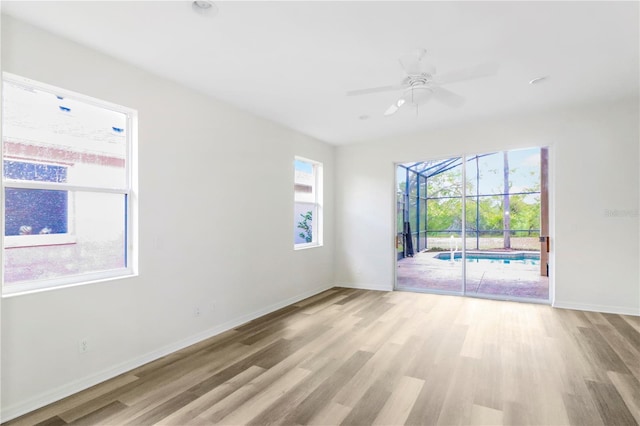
(197, 312)
(83, 345)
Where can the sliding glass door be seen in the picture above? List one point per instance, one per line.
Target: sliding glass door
(503, 196)
(503, 217)
(429, 226)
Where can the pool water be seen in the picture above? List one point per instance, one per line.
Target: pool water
(495, 258)
(503, 261)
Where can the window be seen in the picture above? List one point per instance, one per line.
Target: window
(307, 222)
(40, 212)
(68, 185)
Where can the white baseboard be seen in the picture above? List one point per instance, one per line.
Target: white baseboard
(366, 287)
(46, 398)
(621, 310)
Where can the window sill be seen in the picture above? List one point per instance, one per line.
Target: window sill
(31, 287)
(17, 241)
(306, 246)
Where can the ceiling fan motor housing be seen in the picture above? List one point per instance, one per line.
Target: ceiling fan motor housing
(419, 90)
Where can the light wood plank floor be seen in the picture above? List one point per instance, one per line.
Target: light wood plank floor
(359, 357)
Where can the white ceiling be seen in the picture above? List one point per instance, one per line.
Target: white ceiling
(292, 62)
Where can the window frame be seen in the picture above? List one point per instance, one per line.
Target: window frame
(18, 241)
(317, 228)
(129, 191)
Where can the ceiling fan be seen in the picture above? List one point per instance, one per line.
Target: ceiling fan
(421, 83)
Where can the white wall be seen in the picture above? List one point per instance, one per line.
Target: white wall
(594, 160)
(216, 208)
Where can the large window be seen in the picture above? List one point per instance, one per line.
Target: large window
(67, 181)
(307, 222)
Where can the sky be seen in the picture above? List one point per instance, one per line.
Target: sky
(303, 166)
(45, 118)
(523, 163)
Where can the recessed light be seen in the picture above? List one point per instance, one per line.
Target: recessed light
(538, 80)
(204, 7)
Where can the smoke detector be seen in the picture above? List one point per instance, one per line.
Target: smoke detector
(203, 7)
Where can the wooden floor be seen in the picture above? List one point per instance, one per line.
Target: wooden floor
(361, 357)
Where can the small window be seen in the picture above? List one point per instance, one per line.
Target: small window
(307, 223)
(67, 181)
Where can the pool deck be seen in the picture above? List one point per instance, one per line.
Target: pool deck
(425, 271)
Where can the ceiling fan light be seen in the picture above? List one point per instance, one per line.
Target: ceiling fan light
(419, 94)
(400, 102)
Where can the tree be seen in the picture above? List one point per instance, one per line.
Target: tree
(506, 209)
(525, 212)
(305, 225)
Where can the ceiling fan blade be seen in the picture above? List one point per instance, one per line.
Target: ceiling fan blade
(479, 71)
(374, 90)
(447, 97)
(394, 107)
(411, 62)
(391, 110)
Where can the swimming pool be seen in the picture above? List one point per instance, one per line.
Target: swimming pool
(518, 258)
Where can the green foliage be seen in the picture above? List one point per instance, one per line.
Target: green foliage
(525, 213)
(305, 225)
(444, 215)
(435, 215)
(485, 213)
